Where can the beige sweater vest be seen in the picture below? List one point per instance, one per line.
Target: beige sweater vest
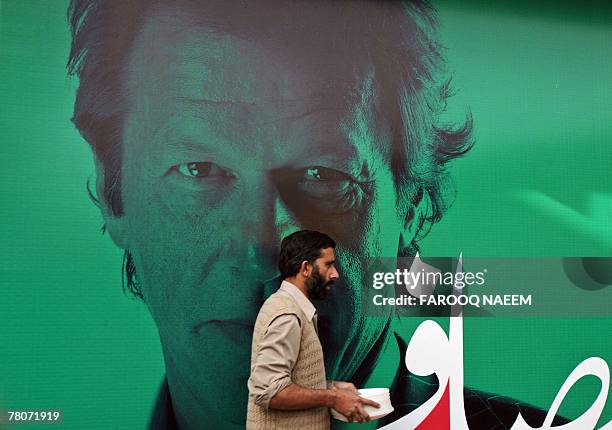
(308, 372)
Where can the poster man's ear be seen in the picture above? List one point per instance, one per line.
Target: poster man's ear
(417, 210)
(116, 226)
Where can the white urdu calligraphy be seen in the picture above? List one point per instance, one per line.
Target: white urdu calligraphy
(430, 351)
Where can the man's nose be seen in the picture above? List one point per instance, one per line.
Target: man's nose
(266, 220)
(334, 274)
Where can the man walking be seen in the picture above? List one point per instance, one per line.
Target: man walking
(287, 386)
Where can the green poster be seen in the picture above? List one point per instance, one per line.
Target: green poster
(156, 153)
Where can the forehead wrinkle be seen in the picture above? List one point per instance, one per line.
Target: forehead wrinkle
(247, 113)
(297, 117)
(196, 102)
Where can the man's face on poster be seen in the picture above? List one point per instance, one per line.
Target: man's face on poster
(229, 144)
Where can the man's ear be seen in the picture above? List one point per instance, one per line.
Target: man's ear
(305, 269)
(116, 226)
(415, 213)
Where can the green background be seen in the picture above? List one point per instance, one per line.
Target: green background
(538, 183)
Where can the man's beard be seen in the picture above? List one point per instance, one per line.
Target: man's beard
(315, 285)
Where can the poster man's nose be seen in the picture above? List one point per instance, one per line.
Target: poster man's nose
(267, 222)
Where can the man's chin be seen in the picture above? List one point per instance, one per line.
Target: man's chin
(323, 292)
(213, 383)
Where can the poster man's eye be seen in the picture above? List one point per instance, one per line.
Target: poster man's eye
(329, 190)
(203, 169)
(318, 173)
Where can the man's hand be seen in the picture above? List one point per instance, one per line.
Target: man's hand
(349, 404)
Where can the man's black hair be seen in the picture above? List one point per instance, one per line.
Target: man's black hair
(303, 245)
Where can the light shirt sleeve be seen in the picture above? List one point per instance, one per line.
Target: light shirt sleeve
(274, 362)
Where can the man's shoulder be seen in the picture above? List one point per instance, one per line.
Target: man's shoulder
(280, 300)
(279, 304)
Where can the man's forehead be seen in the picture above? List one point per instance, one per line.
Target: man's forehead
(184, 65)
(227, 65)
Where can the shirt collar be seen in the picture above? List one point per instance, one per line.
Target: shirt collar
(298, 297)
